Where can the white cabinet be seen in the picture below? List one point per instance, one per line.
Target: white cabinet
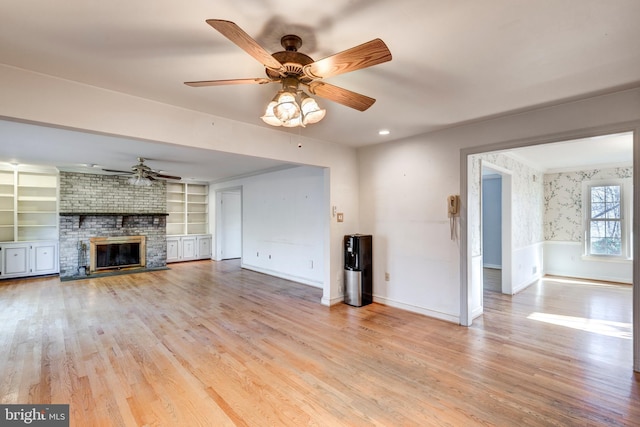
(173, 249)
(16, 260)
(204, 246)
(188, 247)
(44, 259)
(28, 259)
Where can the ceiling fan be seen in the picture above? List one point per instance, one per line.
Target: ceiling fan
(293, 68)
(140, 171)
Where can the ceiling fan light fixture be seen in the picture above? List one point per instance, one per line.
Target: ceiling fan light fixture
(292, 109)
(139, 181)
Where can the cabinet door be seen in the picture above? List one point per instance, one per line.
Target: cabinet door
(173, 249)
(44, 258)
(16, 260)
(189, 248)
(204, 247)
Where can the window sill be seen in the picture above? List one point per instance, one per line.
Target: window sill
(607, 258)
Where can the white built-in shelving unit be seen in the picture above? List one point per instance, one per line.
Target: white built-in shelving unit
(7, 206)
(176, 208)
(28, 205)
(187, 205)
(28, 221)
(188, 222)
(197, 209)
(37, 207)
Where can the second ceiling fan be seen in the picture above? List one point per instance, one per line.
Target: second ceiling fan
(293, 68)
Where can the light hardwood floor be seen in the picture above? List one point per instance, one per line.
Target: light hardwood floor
(209, 344)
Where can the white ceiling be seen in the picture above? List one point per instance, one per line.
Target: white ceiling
(601, 151)
(453, 61)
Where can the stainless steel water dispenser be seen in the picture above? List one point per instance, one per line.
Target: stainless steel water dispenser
(358, 270)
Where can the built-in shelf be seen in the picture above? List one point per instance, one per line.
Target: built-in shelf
(28, 204)
(188, 208)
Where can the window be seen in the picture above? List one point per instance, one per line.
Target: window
(605, 229)
(607, 206)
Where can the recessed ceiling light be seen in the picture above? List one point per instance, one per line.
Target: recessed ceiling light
(384, 132)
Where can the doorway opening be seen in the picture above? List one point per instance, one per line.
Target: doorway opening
(529, 256)
(496, 245)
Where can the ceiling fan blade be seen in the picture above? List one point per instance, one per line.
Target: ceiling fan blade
(341, 96)
(117, 171)
(244, 41)
(257, 80)
(162, 176)
(359, 57)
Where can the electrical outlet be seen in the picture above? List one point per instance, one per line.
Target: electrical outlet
(387, 277)
(340, 217)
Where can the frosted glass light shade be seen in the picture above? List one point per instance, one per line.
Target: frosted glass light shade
(286, 108)
(294, 122)
(269, 118)
(139, 181)
(311, 111)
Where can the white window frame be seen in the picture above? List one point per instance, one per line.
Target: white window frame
(626, 198)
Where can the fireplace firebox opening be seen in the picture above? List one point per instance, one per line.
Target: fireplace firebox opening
(116, 253)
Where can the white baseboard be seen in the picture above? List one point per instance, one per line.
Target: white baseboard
(408, 307)
(524, 286)
(477, 312)
(331, 301)
(281, 275)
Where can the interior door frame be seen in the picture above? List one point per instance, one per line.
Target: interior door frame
(466, 272)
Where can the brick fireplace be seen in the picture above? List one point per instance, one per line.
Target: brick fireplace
(100, 208)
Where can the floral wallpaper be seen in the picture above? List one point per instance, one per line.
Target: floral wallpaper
(527, 203)
(563, 201)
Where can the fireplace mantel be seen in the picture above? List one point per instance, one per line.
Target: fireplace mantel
(113, 214)
(78, 218)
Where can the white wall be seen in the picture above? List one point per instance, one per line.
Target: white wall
(567, 259)
(283, 223)
(403, 204)
(564, 251)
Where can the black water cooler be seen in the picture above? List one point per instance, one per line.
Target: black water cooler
(358, 270)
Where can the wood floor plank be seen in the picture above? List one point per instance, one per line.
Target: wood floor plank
(207, 343)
